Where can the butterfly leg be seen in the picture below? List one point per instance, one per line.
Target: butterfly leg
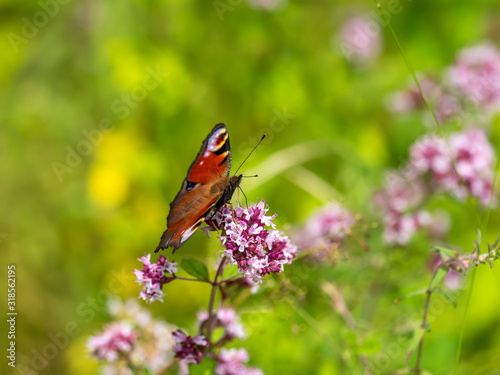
(234, 218)
(246, 200)
(209, 218)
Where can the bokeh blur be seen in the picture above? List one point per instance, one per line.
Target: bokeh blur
(104, 105)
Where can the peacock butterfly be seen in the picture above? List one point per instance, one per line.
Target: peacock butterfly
(206, 188)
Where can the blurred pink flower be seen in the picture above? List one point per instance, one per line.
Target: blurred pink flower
(476, 75)
(410, 99)
(402, 192)
(360, 39)
(468, 159)
(463, 167)
(231, 362)
(152, 345)
(439, 224)
(228, 319)
(399, 203)
(268, 5)
(400, 228)
(115, 342)
(474, 162)
(326, 227)
(430, 154)
(447, 107)
(234, 328)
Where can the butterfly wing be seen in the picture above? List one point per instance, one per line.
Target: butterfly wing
(204, 185)
(214, 158)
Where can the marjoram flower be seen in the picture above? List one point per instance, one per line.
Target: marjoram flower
(153, 276)
(228, 319)
(189, 348)
(476, 75)
(116, 342)
(251, 241)
(231, 362)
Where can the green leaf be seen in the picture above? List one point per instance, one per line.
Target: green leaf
(412, 294)
(140, 371)
(206, 367)
(479, 237)
(447, 296)
(438, 276)
(449, 252)
(418, 335)
(495, 244)
(370, 346)
(195, 268)
(351, 339)
(230, 271)
(217, 334)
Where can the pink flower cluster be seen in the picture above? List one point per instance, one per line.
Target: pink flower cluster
(254, 248)
(463, 166)
(410, 99)
(476, 75)
(400, 201)
(134, 339)
(152, 277)
(231, 362)
(325, 230)
(115, 342)
(446, 104)
(226, 318)
(473, 78)
(189, 348)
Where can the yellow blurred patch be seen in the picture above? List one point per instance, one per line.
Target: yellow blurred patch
(109, 178)
(127, 66)
(78, 357)
(371, 145)
(119, 146)
(148, 209)
(108, 185)
(13, 42)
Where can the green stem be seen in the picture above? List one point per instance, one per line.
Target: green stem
(212, 299)
(233, 278)
(464, 321)
(190, 279)
(424, 326)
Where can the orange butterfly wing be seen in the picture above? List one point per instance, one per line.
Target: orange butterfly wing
(204, 186)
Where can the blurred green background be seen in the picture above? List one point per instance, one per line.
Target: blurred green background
(80, 205)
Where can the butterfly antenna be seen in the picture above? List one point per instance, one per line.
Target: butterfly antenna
(264, 136)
